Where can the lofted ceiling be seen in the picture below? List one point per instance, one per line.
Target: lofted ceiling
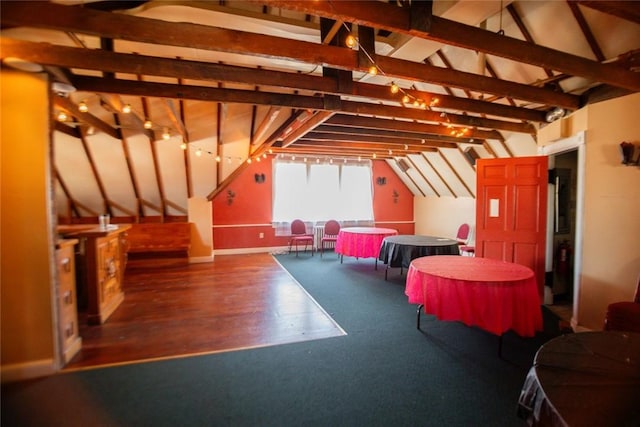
(225, 83)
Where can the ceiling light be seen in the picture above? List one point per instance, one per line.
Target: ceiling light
(555, 114)
(373, 70)
(183, 145)
(22, 65)
(351, 41)
(198, 152)
(62, 116)
(218, 159)
(394, 88)
(82, 107)
(249, 160)
(406, 99)
(148, 124)
(126, 109)
(165, 134)
(62, 89)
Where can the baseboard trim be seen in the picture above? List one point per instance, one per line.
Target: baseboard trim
(240, 251)
(27, 370)
(201, 259)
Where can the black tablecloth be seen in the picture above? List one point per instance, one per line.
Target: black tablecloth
(399, 251)
(584, 379)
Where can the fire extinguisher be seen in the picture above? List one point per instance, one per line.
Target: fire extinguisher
(563, 255)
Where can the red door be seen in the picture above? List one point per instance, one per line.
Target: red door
(511, 211)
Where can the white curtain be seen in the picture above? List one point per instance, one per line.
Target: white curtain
(321, 191)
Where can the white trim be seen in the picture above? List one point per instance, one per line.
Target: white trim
(239, 251)
(575, 142)
(242, 225)
(564, 144)
(201, 259)
(394, 222)
(27, 370)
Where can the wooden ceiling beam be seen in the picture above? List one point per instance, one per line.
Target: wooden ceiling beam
(311, 123)
(194, 70)
(397, 19)
(195, 36)
(313, 103)
(315, 136)
(627, 10)
(402, 125)
(412, 148)
(411, 136)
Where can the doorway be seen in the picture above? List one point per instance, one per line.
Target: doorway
(564, 174)
(564, 226)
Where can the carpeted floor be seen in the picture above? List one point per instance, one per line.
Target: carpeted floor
(383, 372)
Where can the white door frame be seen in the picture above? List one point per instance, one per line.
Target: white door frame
(575, 142)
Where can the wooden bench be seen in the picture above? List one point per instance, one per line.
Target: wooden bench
(159, 243)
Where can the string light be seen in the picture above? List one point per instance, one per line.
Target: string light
(148, 124)
(82, 107)
(183, 145)
(126, 108)
(62, 116)
(352, 42)
(165, 134)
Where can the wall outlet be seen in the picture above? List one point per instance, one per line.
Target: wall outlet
(261, 235)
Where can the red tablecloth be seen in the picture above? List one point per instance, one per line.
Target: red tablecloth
(362, 242)
(493, 295)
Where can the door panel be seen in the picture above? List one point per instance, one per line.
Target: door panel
(511, 211)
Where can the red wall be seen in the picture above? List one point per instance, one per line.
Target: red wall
(248, 212)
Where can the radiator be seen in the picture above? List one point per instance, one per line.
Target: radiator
(318, 232)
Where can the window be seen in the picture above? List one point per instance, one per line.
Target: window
(322, 191)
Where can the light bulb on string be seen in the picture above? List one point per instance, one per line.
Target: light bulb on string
(394, 88)
(199, 152)
(183, 145)
(218, 159)
(373, 70)
(62, 116)
(351, 41)
(165, 134)
(406, 99)
(148, 124)
(126, 108)
(82, 107)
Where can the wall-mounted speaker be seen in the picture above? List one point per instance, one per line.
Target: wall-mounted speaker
(471, 155)
(259, 178)
(403, 165)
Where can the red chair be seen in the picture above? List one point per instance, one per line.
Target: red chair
(624, 316)
(299, 235)
(331, 230)
(463, 239)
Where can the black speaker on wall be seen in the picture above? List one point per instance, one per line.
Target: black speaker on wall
(471, 155)
(403, 165)
(259, 178)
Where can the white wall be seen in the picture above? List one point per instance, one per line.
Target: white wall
(441, 216)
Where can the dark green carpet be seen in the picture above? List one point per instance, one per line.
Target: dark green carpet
(384, 372)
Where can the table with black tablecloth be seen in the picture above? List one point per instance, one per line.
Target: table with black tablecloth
(584, 379)
(399, 251)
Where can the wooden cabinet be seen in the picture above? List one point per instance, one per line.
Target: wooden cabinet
(67, 299)
(102, 259)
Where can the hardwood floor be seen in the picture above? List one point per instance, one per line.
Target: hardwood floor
(235, 302)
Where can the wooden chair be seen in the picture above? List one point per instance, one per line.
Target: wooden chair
(330, 235)
(625, 315)
(299, 235)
